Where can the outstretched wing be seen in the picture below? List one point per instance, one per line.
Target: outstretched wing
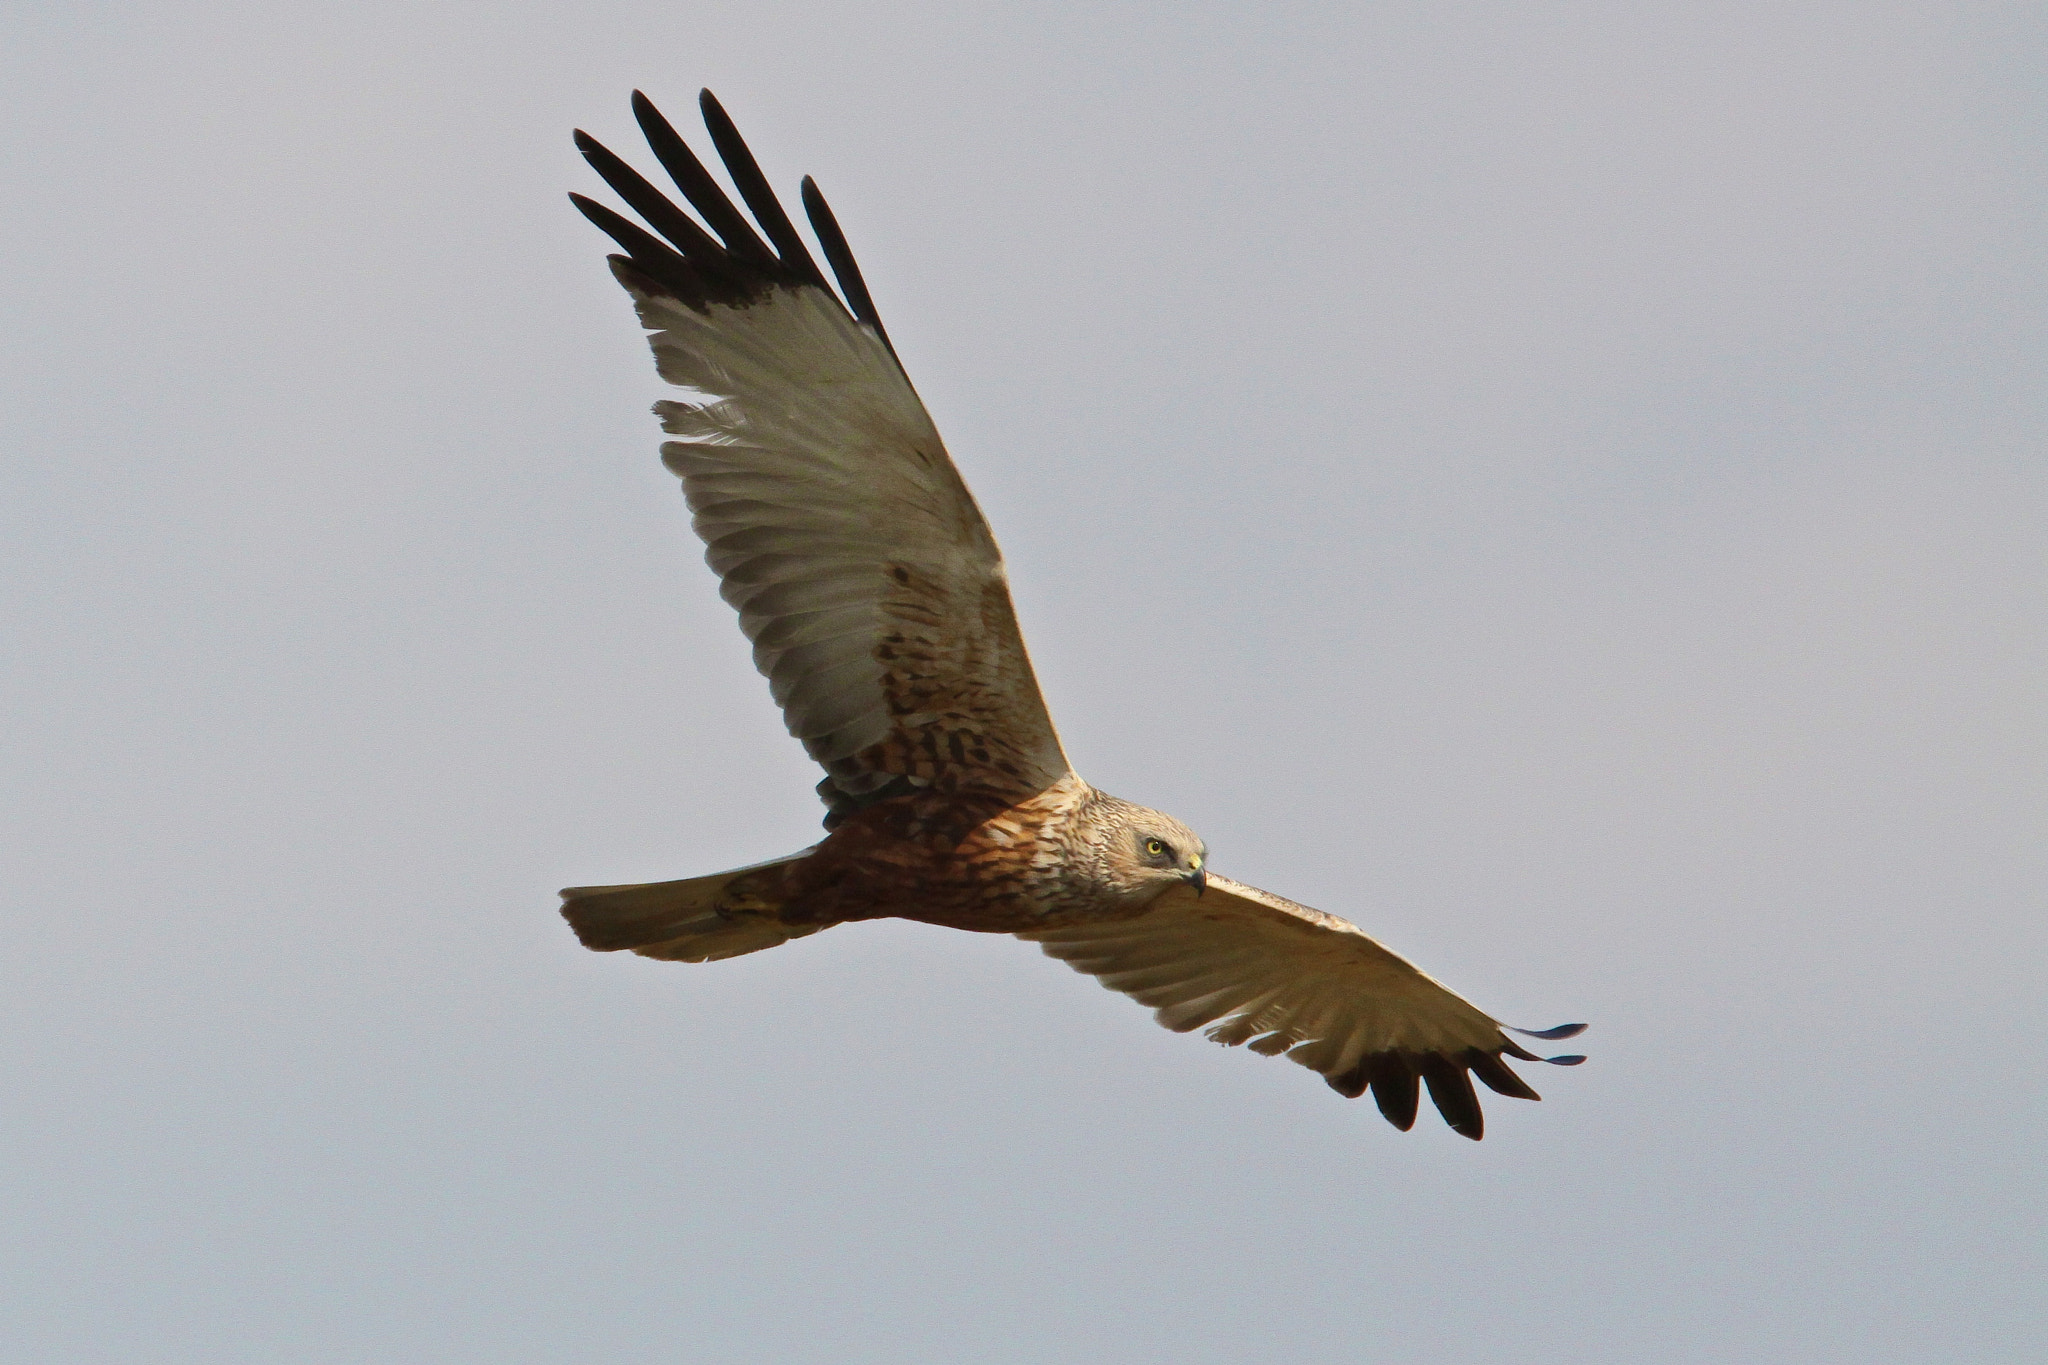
(1284, 978)
(862, 570)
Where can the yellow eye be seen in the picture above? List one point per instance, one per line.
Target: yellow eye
(1154, 847)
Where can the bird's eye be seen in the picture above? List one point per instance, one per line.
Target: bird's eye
(1155, 848)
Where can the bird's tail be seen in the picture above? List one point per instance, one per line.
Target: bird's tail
(680, 921)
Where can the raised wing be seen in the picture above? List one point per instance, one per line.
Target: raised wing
(1281, 977)
(862, 570)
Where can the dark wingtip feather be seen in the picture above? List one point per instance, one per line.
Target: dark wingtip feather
(756, 191)
(840, 257)
(1394, 1088)
(1498, 1078)
(697, 186)
(649, 256)
(652, 206)
(1551, 1035)
(1516, 1050)
(639, 243)
(730, 264)
(1350, 1084)
(1450, 1089)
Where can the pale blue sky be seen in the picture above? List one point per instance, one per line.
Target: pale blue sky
(1560, 485)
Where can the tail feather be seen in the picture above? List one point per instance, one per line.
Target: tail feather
(675, 921)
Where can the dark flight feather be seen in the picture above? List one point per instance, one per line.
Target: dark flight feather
(837, 254)
(1450, 1088)
(754, 188)
(697, 185)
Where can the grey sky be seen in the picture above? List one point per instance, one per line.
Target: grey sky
(1560, 485)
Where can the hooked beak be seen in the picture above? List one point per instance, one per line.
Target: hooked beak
(1198, 877)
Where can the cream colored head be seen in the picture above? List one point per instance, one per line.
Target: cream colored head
(1138, 853)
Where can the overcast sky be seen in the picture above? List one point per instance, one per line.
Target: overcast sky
(1562, 485)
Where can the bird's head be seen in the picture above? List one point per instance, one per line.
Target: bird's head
(1144, 852)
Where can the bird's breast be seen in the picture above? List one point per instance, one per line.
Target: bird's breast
(946, 858)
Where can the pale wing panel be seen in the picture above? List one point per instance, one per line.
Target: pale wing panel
(1262, 971)
(862, 570)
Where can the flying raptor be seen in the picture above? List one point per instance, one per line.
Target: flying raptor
(877, 605)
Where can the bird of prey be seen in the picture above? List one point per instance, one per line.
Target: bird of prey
(878, 608)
